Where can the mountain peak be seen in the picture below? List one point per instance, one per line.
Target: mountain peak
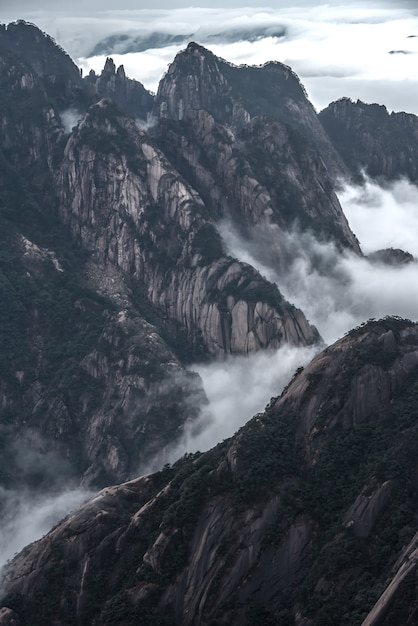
(194, 47)
(110, 67)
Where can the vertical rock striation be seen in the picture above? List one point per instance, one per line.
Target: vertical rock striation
(125, 203)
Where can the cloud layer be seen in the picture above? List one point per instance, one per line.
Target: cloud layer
(26, 517)
(337, 50)
(338, 291)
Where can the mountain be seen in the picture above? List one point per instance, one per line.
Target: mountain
(114, 272)
(368, 137)
(306, 516)
(115, 278)
(197, 79)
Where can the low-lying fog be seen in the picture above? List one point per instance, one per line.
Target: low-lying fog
(336, 292)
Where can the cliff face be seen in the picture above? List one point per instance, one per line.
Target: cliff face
(113, 275)
(59, 75)
(129, 95)
(90, 388)
(30, 128)
(369, 137)
(125, 203)
(84, 377)
(286, 521)
(62, 80)
(197, 79)
(264, 174)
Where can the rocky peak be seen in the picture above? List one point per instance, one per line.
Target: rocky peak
(197, 79)
(132, 209)
(369, 137)
(110, 67)
(59, 75)
(374, 360)
(129, 95)
(121, 72)
(265, 174)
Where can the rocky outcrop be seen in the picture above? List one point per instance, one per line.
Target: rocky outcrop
(351, 382)
(391, 256)
(56, 71)
(112, 276)
(91, 389)
(125, 203)
(265, 174)
(370, 138)
(30, 127)
(62, 80)
(197, 79)
(258, 527)
(129, 95)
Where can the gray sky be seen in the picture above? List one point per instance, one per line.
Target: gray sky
(363, 50)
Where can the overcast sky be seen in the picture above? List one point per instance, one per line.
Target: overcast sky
(365, 50)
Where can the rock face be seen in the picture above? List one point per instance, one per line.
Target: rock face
(129, 95)
(369, 137)
(197, 79)
(113, 274)
(125, 203)
(264, 174)
(286, 522)
(59, 75)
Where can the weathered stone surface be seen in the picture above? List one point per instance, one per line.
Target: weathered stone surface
(197, 79)
(264, 174)
(8, 617)
(368, 507)
(139, 215)
(361, 388)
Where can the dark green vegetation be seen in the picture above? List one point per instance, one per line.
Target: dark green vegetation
(211, 519)
(49, 319)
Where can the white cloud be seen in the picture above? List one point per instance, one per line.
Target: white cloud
(338, 50)
(70, 118)
(237, 389)
(339, 291)
(27, 517)
(383, 218)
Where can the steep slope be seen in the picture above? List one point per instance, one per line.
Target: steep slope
(113, 276)
(303, 517)
(124, 202)
(129, 95)
(265, 174)
(30, 128)
(369, 137)
(56, 71)
(197, 79)
(87, 383)
(62, 80)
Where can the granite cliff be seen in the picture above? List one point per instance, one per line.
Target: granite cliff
(197, 79)
(113, 268)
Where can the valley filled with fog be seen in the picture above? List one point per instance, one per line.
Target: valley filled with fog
(336, 290)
